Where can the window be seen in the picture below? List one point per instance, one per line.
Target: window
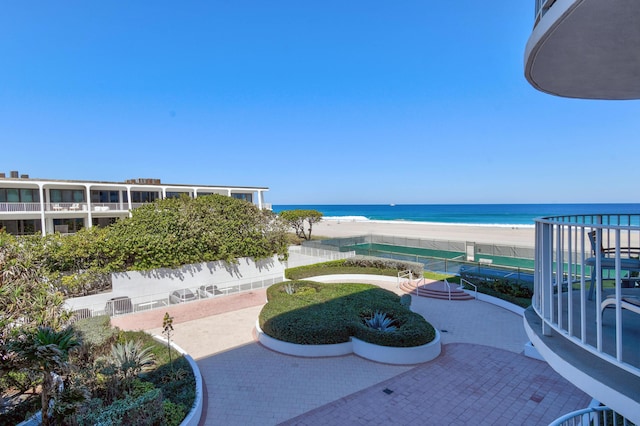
(66, 195)
(15, 195)
(103, 221)
(70, 226)
(105, 196)
(245, 197)
(21, 227)
(177, 194)
(144, 196)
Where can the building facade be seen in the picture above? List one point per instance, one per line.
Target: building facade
(585, 313)
(29, 206)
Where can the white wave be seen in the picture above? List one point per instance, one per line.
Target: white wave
(416, 222)
(346, 218)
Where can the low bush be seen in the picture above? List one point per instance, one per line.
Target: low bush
(332, 313)
(355, 265)
(146, 409)
(96, 331)
(177, 382)
(173, 413)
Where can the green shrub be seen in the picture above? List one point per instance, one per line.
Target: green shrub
(355, 265)
(380, 263)
(173, 413)
(332, 313)
(146, 409)
(96, 330)
(178, 384)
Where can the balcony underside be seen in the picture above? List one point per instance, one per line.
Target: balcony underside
(592, 374)
(586, 49)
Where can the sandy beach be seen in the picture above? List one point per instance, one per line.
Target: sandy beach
(522, 236)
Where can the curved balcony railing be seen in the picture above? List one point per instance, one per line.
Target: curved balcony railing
(542, 6)
(587, 283)
(591, 416)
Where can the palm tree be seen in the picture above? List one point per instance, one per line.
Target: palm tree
(46, 351)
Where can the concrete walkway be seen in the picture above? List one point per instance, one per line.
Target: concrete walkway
(480, 378)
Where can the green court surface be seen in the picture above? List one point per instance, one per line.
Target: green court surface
(372, 249)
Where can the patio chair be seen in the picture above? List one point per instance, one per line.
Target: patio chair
(627, 301)
(608, 261)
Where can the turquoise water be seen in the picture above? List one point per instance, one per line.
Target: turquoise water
(478, 214)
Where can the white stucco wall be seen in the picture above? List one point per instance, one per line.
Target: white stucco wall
(142, 286)
(222, 274)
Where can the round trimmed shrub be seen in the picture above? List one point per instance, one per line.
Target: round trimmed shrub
(332, 313)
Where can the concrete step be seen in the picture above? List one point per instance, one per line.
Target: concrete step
(437, 290)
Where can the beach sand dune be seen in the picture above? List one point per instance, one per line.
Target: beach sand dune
(521, 236)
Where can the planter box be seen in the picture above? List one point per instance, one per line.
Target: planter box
(370, 351)
(395, 355)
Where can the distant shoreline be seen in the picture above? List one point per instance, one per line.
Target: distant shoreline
(417, 222)
(510, 235)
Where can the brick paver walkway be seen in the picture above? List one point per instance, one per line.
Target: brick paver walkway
(467, 384)
(480, 378)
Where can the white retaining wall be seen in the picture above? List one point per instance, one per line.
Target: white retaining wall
(220, 273)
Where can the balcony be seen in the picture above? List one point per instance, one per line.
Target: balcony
(13, 208)
(19, 207)
(585, 314)
(585, 49)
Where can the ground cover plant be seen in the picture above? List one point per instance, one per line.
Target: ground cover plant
(307, 312)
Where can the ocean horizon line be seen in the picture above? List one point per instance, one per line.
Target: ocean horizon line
(503, 215)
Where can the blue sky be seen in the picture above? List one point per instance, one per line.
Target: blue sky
(321, 101)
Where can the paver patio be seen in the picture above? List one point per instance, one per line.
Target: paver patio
(480, 378)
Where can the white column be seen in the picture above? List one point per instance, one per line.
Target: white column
(260, 199)
(229, 192)
(195, 193)
(89, 217)
(164, 192)
(129, 199)
(43, 222)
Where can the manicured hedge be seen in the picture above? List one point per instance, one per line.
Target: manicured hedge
(319, 313)
(355, 265)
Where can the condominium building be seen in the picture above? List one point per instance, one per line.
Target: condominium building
(29, 206)
(585, 314)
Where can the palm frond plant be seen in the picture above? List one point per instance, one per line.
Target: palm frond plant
(381, 322)
(127, 360)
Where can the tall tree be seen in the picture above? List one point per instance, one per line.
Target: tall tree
(301, 219)
(46, 351)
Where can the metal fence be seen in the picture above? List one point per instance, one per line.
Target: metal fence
(443, 245)
(126, 305)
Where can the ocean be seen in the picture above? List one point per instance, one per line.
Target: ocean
(467, 214)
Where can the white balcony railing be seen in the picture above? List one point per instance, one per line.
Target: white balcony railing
(65, 207)
(587, 284)
(104, 207)
(19, 207)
